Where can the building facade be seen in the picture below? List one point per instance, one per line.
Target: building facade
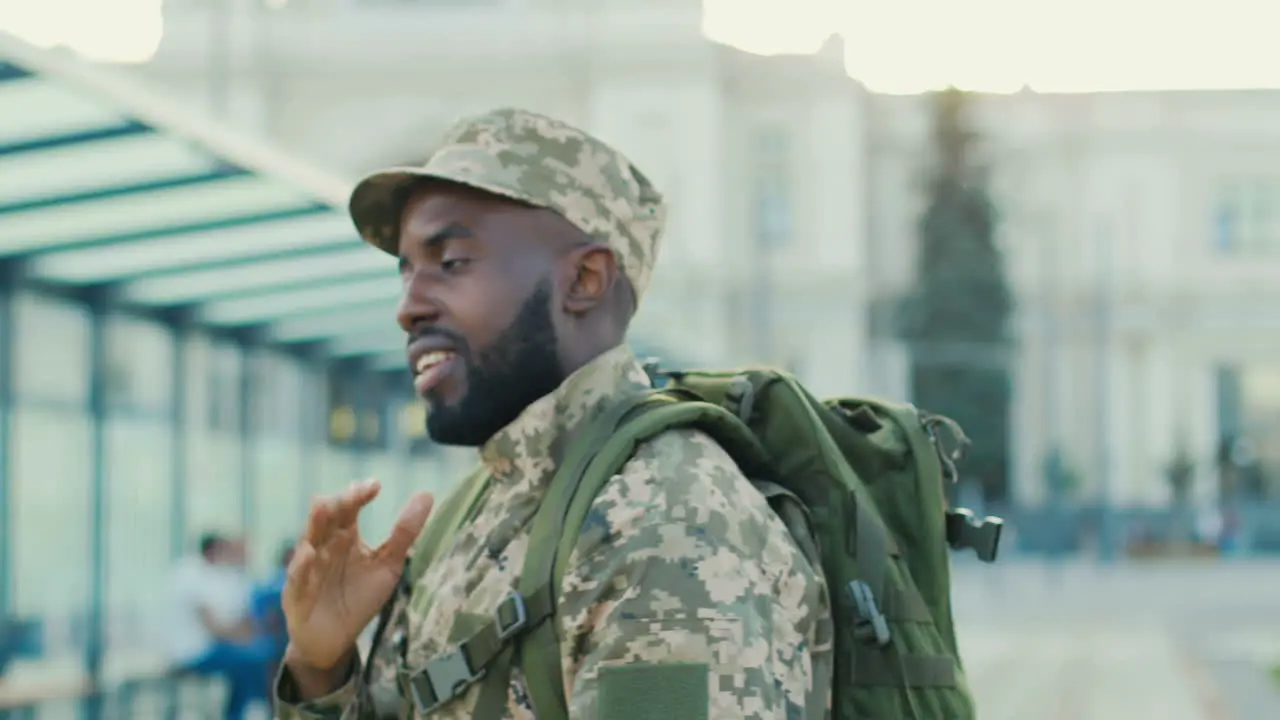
(1141, 230)
(760, 159)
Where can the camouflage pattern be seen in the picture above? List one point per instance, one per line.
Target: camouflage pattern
(681, 560)
(537, 160)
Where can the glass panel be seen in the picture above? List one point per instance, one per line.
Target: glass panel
(279, 504)
(52, 360)
(267, 307)
(378, 341)
(139, 523)
(140, 365)
(214, 485)
(338, 470)
(200, 284)
(276, 397)
(147, 212)
(51, 518)
(119, 260)
(378, 517)
(70, 169)
(225, 363)
(319, 325)
(35, 108)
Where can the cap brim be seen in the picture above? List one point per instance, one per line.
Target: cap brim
(377, 202)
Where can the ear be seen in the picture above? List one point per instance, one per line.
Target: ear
(594, 270)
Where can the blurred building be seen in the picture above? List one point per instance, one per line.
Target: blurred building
(1142, 234)
(1141, 229)
(761, 158)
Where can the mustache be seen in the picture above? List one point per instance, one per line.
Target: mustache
(425, 332)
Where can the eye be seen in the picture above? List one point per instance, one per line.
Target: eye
(450, 265)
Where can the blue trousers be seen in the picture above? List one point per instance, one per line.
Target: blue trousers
(243, 667)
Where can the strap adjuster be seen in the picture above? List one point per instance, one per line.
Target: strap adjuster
(868, 613)
(448, 676)
(519, 616)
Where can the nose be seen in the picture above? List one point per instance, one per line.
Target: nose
(416, 306)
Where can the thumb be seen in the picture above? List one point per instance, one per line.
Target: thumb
(407, 528)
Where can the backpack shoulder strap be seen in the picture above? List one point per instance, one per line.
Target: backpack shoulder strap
(443, 524)
(592, 459)
(445, 521)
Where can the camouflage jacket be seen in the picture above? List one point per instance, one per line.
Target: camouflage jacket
(692, 567)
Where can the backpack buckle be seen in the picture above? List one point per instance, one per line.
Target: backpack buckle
(966, 531)
(868, 614)
(444, 678)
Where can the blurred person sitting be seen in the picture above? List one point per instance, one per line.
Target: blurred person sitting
(268, 613)
(212, 632)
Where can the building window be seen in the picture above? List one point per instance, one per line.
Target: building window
(276, 384)
(772, 185)
(1246, 218)
(358, 405)
(224, 389)
(413, 426)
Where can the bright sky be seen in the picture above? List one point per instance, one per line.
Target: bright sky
(897, 46)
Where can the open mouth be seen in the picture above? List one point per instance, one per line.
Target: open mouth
(431, 368)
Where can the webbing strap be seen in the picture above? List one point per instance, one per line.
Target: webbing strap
(445, 522)
(874, 668)
(871, 549)
(605, 450)
(448, 675)
(904, 605)
(495, 687)
(540, 648)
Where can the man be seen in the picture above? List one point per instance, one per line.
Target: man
(525, 245)
(212, 632)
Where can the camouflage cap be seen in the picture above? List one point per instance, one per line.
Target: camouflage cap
(537, 160)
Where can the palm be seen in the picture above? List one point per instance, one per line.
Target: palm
(337, 582)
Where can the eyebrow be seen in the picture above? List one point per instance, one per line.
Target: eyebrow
(438, 238)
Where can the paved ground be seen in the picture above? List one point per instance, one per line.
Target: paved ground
(1078, 642)
(1074, 641)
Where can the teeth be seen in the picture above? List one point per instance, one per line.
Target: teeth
(432, 358)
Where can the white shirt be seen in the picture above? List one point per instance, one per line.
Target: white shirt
(222, 590)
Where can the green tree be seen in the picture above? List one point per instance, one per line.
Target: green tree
(956, 319)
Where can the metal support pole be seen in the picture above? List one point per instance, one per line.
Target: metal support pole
(1052, 349)
(96, 636)
(315, 423)
(6, 457)
(249, 361)
(402, 443)
(1109, 541)
(180, 409)
(365, 407)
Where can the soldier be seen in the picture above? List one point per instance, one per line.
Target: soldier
(525, 245)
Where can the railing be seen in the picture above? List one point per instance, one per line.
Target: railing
(157, 695)
(1250, 529)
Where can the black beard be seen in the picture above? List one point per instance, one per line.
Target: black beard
(520, 367)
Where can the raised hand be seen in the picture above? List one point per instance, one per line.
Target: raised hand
(336, 582)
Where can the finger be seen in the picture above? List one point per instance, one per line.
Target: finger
(300, 580)
(407, 528)
(319, 521)
(352, 500)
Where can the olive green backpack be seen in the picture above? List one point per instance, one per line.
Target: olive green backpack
(861, 485)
